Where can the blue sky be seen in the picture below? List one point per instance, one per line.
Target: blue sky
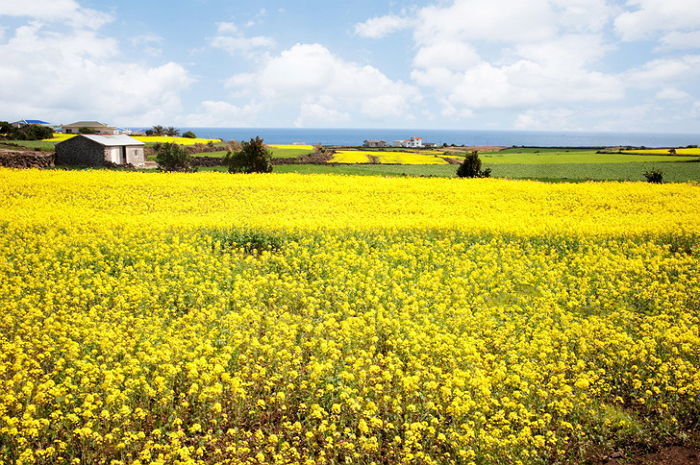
(590, 65)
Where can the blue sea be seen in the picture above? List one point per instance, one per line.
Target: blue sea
(457, 137)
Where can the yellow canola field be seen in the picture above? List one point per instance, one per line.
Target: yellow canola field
(208, 318)
(679, 151)
(292, 202)
(292, 146)
(57, 137)
(387, 157)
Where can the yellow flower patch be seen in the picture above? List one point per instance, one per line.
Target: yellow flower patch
(211, 318)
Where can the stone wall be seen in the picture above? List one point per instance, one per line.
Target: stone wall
(26, 159)
(80, 151)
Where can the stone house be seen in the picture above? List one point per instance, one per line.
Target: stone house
(375, 143)
(93, 126)
(94, 150)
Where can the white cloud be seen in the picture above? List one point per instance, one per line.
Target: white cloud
(542, 52)
(663, 71)
(558, 119)
(78, 74)
(232, 40)
(529, 83)
(216, 113)
(671, 93)
(147, 43)
(317, 115)
(68, 11)
(450, 55)
(382, 26)
(653, 16)
(479, 20)
(324, 87)
(680, 41)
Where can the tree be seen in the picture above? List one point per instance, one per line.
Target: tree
(190, 135)
(5, 127)
(87, 131)
(172, 157)
(254, 157)
(172, 132)
(471, 167)
(158, 130)
(27, 132)
(654, 176)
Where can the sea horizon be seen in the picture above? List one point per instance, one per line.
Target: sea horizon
(506, 138)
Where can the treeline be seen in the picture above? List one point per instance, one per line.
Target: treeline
(168, 131)
(24, 132)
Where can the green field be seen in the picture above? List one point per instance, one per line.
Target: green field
(288, 153)
(558, 156)
(543, 164)
(34, 144)
(673, 171)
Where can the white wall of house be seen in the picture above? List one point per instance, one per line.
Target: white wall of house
(113, 155)
(135, 156)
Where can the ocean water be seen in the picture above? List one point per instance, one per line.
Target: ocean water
(457, 137)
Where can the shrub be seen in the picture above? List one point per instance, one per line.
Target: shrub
(471, 167)
(190, 135)
(25, 132)
(87, 131)
(172, 157)
(654, 176)
(254, 157)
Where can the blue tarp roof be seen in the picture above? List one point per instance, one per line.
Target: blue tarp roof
(31, 121)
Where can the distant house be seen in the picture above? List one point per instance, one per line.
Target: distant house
(92, 127)
(375, 143)
(413, 142)
(30, 122)
(100, 150)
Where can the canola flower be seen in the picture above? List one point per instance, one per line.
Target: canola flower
(152, 318)
(292, 146)
(387, 157)
(679, 151)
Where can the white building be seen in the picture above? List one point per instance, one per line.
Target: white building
(413, 143)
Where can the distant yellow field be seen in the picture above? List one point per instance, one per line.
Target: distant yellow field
(695, 151)
(57, 137)
(397, 158)
(349, 156)
(291, 146)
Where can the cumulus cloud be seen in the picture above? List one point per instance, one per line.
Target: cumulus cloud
(233, 41)
(664, 71)
(217, 113)
(323, 87)
(542, 52)
(679, 41)
(557, 119)
(671, 93)
(62, 75)
(317, 115)
(68, 11)
(652, 16)
(148, 43)
(382, 26)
